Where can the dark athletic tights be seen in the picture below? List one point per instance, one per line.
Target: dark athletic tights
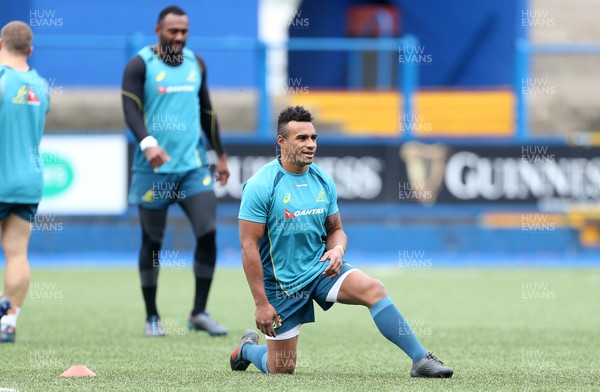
(200, 210)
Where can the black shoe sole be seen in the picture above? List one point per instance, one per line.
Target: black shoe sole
(240, 366)
(439, 375)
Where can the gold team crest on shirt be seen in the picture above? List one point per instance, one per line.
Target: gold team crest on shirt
(21, 96)
(191, 77)
(321, 197)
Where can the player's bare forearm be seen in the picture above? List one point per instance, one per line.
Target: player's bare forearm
(336, 243)
(337, 238)
(250, 234)
(265, 315)
(335, 232)
(254, 274)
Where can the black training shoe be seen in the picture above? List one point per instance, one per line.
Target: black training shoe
(430, 366)
(236, 360)
(4, 305)
(7, 334)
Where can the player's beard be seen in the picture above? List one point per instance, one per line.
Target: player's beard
(177, 47)
(171, 51)
(301, 160)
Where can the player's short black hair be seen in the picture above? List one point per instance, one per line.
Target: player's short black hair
(292, 113)
(172, 9)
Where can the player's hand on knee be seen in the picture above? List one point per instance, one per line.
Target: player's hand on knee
(335, 257)
(267, 319)
(156, 156)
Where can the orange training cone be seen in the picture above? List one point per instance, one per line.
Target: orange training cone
(78, 371)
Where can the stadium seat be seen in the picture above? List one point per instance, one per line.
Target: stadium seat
(489, 113)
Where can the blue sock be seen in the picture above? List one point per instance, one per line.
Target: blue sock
(395, 328)
(257, 355)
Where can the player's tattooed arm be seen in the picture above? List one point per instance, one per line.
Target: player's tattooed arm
(335, 232)
(331, 222)
(336, 244)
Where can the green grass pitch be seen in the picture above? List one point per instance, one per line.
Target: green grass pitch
(501, 329)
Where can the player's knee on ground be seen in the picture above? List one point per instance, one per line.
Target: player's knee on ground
(283, 370)
(283, 362)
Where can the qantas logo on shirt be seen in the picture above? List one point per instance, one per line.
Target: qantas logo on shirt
(32, 99)
(314, 211)
(185, 88)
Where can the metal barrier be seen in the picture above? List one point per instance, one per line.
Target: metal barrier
(407, 78)
(407, 74)
(524, 51)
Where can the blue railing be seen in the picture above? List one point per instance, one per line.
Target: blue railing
(407, 72)
(524, 51)
(406, 80)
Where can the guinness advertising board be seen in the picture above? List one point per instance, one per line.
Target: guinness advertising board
(360, 172)
(551, 177)
(428, 174)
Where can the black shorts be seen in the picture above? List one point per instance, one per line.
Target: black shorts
(25, 211)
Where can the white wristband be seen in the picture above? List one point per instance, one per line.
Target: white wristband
(148, 141)
(342, 248)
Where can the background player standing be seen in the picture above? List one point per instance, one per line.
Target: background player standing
(293, 246)
(24, 103)
(166, 102)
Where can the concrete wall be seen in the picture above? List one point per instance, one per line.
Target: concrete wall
(567, 99)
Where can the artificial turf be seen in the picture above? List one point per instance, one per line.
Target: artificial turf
(500, 329)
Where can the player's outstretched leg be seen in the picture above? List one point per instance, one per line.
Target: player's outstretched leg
(360, 289)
